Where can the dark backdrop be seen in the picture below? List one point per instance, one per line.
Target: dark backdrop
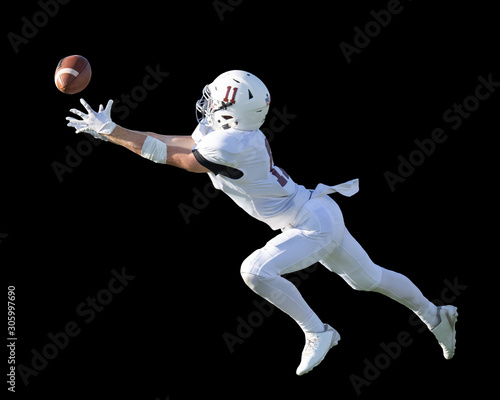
(386, 92)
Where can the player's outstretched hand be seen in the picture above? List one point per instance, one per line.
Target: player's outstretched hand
(98, 124)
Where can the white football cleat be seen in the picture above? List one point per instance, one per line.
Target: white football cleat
(317, 345)
(445, 331)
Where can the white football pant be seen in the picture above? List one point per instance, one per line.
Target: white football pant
(317, 234)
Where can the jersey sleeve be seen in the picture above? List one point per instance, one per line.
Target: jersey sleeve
(219, 153)
(200, 132)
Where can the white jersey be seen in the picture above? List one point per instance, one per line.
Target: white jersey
(242, 166)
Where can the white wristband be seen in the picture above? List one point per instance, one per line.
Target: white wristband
(154, 150)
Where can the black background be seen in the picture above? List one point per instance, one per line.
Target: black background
(162, 336)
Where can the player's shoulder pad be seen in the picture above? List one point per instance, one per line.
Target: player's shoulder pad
(220, 147)
(222, 141)
(200, 132)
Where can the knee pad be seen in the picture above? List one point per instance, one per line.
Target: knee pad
(251, 280)
(249, 270)
(255, 264)
(246, 266)
(256, 269)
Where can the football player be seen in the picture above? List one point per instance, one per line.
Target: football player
(228, 145)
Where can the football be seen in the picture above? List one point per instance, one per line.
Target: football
(72, 74)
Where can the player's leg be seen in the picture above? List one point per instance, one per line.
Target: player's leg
(352, 263)
(315, 231)
(288, 252)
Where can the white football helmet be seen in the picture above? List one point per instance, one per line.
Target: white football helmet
(235, 99)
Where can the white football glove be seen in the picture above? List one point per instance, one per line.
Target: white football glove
(98, 124)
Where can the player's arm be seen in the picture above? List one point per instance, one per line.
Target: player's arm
(163, 149)
(185, 141)
(172, 150)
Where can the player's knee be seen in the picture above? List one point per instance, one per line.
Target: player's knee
(247, 265)
(255, 264)
(253, 271)
(246, 272)
(251, 280)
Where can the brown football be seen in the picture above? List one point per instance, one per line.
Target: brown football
(72, 74)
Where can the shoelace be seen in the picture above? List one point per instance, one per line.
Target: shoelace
(312, 343)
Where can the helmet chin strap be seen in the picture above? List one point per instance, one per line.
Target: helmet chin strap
(224, 107)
